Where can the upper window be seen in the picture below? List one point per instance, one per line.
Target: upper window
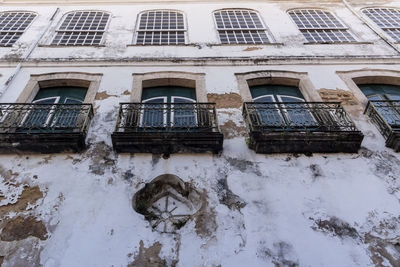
(82, 28)
(388, 19)
(161, 27)
(236, 26)
(13, 25)
(319, 26)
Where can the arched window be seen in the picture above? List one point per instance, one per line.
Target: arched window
(161, 27)
(179, 110)
(319, 26)
(386, 99)
(281, 105)
(81, 28)
(12, 26)
(64, 114)
(388, 19)
(238, 26)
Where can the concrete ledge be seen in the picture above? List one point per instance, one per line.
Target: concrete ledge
(42, 142)
(305, 142)
(167, 142)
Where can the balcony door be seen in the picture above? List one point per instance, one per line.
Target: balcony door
(55, 107)
(168, 107)
(281, 106)
(386, 99)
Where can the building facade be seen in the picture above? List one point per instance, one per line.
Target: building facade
(199, 133)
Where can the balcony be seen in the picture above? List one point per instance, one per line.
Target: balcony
(44, 128)
(300, 127)
(386, 116)
(167, 128)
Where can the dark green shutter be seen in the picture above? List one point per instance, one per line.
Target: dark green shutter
(275, 90)
(63, 92)
(168, 91)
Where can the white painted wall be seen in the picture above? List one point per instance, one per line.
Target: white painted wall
(89, 216)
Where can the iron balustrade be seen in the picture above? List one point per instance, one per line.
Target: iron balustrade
(45, 118)
(385, 114)
(179, 117)
(297, 117)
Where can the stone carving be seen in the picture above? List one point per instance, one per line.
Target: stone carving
(167, 203)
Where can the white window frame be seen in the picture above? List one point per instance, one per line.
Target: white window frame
(165, 114)
(51, 110)
(137, 30)
(283, 113)
(323, 29)
(173, 110)
(264, 28)
(384, 29)
(64, 17)
(20, 32)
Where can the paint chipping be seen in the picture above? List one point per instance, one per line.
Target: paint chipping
(21, 228)
(231, 130)
(231, 100)
(29, 196)
(205, 220)
(338, 95)
(148, 257)
(252, 48)
(103, 95)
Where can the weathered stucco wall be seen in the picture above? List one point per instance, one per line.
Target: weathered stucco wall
(202, 36)
(257, 210)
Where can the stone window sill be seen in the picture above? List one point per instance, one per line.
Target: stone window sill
(70, 46)
(259, 45)
(339, 43)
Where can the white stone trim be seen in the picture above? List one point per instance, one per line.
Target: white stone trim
(373, 76)
(37, 81)
(163, 78)
(290, 78)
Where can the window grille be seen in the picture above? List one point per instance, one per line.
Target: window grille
(388, 19)
(161, 27)
(236, 26)
(13, 25)
(319, 26)
(82, 28)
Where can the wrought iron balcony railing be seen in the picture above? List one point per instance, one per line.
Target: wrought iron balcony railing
(386, 115)
(297, 117)
(45, 118)
(167, 117)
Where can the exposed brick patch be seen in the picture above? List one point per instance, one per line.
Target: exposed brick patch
(29, 196)
(338, 95)
(21, 228)
(7, 174)
(231, 100)
(103, 95)
(383, 250)
(252, 48)
(148, 257)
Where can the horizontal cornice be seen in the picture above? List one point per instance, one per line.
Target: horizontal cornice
(110, 2)
(212, 61)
